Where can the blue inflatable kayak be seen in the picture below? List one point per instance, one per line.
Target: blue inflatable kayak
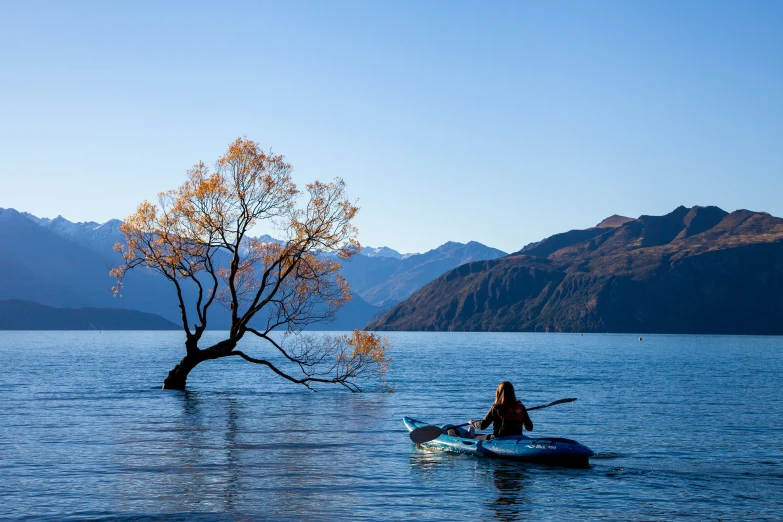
(544, 450)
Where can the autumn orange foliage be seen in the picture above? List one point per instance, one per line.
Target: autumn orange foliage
(198, 235)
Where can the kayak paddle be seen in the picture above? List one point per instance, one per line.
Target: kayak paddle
(428, 433)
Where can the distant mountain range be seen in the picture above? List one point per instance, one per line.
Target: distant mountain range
(38, 264)
(58, 263)
(98, 237)
(385, 281)
(694, 270)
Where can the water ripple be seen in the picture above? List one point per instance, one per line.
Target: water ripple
(678, 431)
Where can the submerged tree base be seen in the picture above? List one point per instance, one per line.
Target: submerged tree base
(177, 377)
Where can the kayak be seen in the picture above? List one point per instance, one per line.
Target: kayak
(545, 450)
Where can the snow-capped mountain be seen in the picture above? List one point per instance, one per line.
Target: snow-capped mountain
(62, 226)
(383, 252)
(98, 237)
(93, 234)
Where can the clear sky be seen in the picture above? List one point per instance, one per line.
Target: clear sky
(496, 122)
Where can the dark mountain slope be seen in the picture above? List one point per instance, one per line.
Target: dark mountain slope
(554, 243)
(26, 315)
(701, 219)
(696, 270)
(478, 296)
(613, 221)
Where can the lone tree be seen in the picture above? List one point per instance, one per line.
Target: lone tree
(197, 238)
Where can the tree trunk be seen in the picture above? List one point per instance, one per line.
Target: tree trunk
(179, 375)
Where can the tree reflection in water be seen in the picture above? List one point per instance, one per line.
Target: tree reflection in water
(214, 465)
(237, 452)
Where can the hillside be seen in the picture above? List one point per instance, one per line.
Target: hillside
(26, 315)
(697, 270)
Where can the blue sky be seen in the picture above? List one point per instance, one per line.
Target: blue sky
(501, 123)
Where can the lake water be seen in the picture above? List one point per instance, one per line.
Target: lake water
(683, 427)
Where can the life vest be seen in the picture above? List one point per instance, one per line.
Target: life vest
(518, 413)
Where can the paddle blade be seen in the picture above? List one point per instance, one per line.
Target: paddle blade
(425, 434)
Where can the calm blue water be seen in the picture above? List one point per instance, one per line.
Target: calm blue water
(684, 426)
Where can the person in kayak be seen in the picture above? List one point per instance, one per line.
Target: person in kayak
(507, 415)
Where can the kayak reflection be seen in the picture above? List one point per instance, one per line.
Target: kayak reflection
(501, 485)
(510, 480)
